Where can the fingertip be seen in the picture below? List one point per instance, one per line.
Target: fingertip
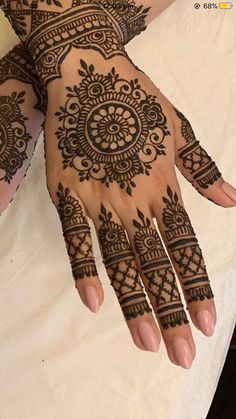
(91, 293)
(229, 191)
(220, 193)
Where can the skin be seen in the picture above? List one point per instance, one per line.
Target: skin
(148, 195)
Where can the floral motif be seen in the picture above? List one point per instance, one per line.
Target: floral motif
(68, 207)
(111, 130)
(174, 214)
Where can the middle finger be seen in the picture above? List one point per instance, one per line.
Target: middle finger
(160, 283)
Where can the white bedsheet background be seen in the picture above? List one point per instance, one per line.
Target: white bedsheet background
(57, 359)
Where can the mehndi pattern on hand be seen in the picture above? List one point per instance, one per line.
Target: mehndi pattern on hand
(111, 129)
(121, 266)
(184, 249)
(18, 65)
(157, 269)
(194, 158)
(77, 235)
(13, 135)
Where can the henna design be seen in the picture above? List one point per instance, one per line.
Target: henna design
(128, 19)
(53, 34)
(106, 128)
(194, 158)
(18, 65)
(159, 273)
(17, 18)
(185, 251)
(13, 135)
(77, 235)
(83, 26)
(50, 35)
(121, 267)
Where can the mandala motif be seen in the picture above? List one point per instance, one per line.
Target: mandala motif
(76, 232)
(107, 126)
(13, 135)
(185, 250)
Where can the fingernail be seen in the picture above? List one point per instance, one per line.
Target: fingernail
(205, 322)
(91, 298)
(182, 353)
(148, 336)
(229, 190)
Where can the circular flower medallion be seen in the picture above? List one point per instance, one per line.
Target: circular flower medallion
(111, 233)
(147, 240)
(176, 216)
(112, 128)
(70, 208)
(9, 109)
(93, 86)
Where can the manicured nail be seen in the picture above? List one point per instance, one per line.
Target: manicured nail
(148, 336)
(91, 298)
(182, 353)
(229, 190)
(205, 322)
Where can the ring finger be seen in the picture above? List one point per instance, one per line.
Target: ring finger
(182, 244)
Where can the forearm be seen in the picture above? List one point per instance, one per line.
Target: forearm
(130, 17)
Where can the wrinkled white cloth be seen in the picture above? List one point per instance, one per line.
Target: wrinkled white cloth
(57, 359)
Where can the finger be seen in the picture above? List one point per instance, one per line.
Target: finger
(198, 167)
(160, 283)
(77, 235)
(187, 258)
(122, 270)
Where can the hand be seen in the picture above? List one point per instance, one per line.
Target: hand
(110, 150)
(109, 130)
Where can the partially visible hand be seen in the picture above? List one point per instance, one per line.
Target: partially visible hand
(21, 118)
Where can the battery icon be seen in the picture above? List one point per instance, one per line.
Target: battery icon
(227, 5)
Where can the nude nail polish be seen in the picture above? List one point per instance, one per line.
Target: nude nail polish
(91, 298)
(229, 190)
(148, 336)
(205, 322)
(182, 353)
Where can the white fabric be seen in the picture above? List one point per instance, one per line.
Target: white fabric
(57, 359)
